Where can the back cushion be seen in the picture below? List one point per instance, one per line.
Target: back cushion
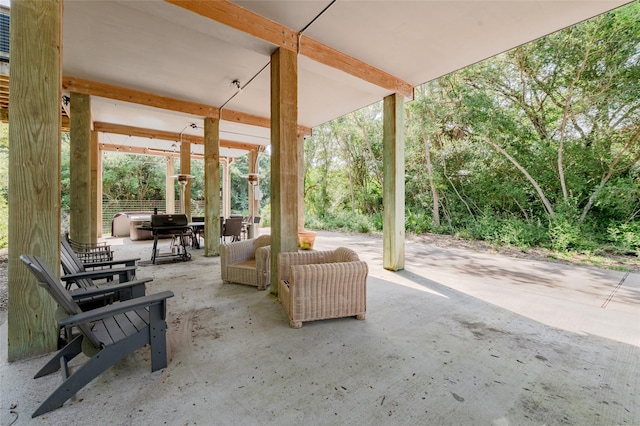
(343, 254)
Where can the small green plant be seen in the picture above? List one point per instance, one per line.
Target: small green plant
(626, 236)
(4, 226)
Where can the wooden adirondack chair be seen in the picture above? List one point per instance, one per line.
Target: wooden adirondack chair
(108, 334)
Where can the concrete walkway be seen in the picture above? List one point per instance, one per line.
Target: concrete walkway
(457, 338)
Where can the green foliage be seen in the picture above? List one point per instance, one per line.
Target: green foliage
(341, 220)
(626, 236)
(133, 177)
(418, 222)
(509, 231)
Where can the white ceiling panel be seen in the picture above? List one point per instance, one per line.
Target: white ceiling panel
(156, 47)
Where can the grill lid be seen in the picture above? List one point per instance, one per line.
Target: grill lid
(168, 220)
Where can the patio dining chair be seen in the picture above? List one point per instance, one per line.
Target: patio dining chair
(233, 228)
(108, 334)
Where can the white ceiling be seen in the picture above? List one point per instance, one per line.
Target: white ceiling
(156, 47)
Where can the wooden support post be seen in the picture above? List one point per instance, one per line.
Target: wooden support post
(393, 186)
(96, 189)
(284, 157)
(226, 185)
(251, 194)
(211, 187)
(301, 174)
(34, 171)
(80, 206)
(185, 169)
(170, 189)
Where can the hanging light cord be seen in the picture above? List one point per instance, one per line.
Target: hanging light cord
(241, 88)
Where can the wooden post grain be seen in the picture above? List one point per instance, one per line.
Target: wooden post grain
(170, 189)
(96, 189)
(211, 187)
(34, 171)
(185, 169)
(393, 186)
(80, 206)
(284, 157)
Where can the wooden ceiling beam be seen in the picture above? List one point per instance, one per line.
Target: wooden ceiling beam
(109, 91)
(241, 19)
(141, 132)
(125, 149)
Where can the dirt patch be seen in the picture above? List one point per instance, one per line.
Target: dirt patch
(186, 329)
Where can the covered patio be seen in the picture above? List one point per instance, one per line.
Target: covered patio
(457, 338)
(234, 69)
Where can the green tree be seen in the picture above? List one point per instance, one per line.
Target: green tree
(133, 177)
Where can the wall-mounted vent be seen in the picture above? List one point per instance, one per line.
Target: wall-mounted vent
(4, 37)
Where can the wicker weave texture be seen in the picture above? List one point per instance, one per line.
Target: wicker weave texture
(246, 262)
(322, 285)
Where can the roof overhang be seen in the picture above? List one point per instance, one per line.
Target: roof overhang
(351, 54)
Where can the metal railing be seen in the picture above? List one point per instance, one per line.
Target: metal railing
(111, 207)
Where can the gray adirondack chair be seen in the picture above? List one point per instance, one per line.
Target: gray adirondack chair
(108, 334)
(88, 252)
(82, 273)
(76, 273)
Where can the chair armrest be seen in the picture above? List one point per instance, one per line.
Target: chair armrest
(125, 262)
(263, 265)
(288, 259)
(100, 273)
(115, 308)
(82, 293)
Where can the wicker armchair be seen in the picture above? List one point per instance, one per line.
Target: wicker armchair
(247, 262)
(315, 285)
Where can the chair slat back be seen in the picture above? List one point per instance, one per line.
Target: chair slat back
(70, 262)
(48, 280)
(72, 265)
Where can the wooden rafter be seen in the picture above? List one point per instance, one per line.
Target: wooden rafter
(137, 150)
(124, 94)
(141, 132)
(110, 91)
(244, 20)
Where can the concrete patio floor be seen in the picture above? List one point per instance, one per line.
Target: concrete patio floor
(457, 338)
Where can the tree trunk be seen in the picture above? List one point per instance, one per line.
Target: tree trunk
(567, 111)
(607, 176)
(434, 190)
(545, 201)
